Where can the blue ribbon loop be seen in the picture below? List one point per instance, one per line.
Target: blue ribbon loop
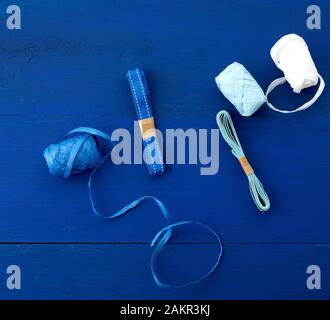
(162, 243)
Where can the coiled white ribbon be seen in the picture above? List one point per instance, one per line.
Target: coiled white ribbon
(292, 56)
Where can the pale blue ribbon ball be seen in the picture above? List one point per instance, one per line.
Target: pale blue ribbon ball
(241, 89)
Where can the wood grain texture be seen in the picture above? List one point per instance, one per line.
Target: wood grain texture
(122, 271)
(66, 68)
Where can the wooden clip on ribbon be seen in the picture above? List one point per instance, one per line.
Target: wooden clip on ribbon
(246, 166)
(147, 128)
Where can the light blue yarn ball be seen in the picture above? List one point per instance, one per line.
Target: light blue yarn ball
(241, 89)
(66, 153)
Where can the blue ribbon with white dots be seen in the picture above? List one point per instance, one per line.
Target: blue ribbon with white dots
(141, 97)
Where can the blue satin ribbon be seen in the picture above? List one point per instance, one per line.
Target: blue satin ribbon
(162, 243)
(80, 152)
(141, 97)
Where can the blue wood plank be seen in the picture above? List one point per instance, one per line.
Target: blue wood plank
(38, 207)
(70, 58)
(122, 272)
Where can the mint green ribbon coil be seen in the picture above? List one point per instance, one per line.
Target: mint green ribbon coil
(228, 132)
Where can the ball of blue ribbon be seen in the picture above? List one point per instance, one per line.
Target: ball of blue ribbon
(77, 153)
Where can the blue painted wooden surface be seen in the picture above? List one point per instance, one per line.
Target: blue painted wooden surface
(66, 68)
